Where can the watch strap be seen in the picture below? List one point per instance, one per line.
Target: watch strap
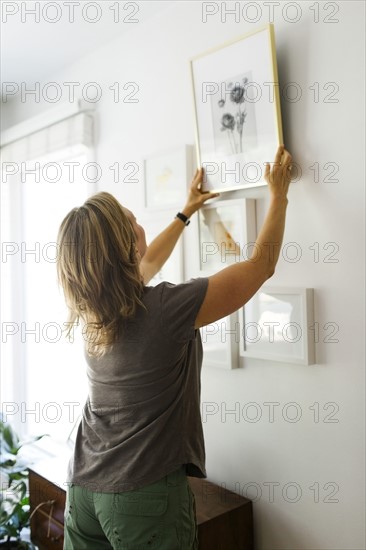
(184, 218)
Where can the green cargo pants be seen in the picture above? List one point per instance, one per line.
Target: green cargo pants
(161, 516)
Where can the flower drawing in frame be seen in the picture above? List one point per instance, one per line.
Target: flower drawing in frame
(237, 110)
(233, 117)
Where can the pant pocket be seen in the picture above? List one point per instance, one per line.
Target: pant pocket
(138, 520)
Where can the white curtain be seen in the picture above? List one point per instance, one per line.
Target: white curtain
(39, 373)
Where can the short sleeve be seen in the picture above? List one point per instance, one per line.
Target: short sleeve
(180, 305)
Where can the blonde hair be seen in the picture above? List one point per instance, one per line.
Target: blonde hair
(98, 269)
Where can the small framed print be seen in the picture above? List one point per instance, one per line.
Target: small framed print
(276, 325)
(220, 342)
(167, 177)
(227, 229)
(237, 110)
(172, 270)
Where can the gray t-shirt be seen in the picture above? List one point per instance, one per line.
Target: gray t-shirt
(142, 417)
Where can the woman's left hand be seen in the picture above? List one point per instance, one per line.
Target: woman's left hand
(196, 197)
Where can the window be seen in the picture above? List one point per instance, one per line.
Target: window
(43, 376)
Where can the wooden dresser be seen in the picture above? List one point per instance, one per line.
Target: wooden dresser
(224, 518)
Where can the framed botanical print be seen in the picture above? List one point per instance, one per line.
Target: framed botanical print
(237, 110)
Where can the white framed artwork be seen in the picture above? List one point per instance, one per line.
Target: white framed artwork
(237, 110)
(227, 230)
(167, 177)
(276, 324)
(220, 342)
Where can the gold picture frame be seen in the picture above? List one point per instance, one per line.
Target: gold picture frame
(236, 85)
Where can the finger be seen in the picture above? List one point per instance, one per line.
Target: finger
(287, 158)
(279, 153)
(198, 174)
(199, 178)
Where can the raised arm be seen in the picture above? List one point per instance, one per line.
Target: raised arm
(162, 246)
(231, 288)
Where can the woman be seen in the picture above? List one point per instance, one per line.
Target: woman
(141, 432)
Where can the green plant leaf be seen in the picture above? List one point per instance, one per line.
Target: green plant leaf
(4, 517)
(10, 438)
(6, 457)
(12, 530)
(14, 501)
(3, 532)
(20, 466)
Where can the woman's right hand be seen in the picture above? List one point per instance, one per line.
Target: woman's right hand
(279, 177)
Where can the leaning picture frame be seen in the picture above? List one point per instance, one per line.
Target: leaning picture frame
(227, 233)
(237, 110)
(167, 176)
(220, 342)
(277, 324)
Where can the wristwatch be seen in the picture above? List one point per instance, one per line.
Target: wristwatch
(184, 218)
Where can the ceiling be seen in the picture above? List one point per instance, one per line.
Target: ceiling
(33, 51)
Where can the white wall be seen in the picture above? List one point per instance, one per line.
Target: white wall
(323, 455)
